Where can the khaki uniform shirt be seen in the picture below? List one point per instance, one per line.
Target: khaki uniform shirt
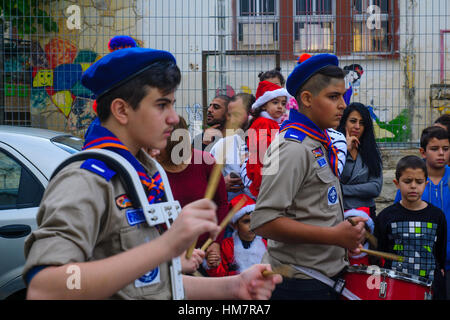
(83, 217)
(299, 184)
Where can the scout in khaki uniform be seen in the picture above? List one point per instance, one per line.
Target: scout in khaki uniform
(89, 229)
(299, 207)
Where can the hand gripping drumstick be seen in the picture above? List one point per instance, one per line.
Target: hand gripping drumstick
(283, 270)
(370, 237)
(209, 194)
(374, 242)
(225, 221)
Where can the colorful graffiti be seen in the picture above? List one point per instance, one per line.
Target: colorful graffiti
(56, 82)
(396, 130)
(195, 118)
(353, 78)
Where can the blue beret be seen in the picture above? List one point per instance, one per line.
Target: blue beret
(119, 66)
(305, 70)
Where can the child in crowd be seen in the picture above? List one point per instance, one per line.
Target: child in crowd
(269, 107)
(244, 248)
(444, 122)
(413, 228)
(434, 148)
(276, 77)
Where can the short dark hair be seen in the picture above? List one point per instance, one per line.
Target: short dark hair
(225, 98)
(320, 80)
(163, 75)
(430, 133)
(410, 162)
(445, 121)
(274, 73)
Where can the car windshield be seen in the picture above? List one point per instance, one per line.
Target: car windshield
(69, 143)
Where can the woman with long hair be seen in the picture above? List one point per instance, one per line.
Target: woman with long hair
(188, 171)
(362, 177)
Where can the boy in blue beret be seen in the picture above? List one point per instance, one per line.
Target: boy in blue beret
(304, 218)
(91, 242)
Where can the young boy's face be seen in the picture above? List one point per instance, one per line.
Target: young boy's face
(243, 228)
(327, 107)
(436, 153)
(151, 123)
(411, 184)
(275, 80)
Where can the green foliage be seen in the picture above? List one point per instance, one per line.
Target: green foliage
(26, 15)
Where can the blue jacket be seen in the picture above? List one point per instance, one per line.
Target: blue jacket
(439, 196)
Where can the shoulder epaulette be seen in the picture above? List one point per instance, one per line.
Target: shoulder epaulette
(98, 167)
(294, 134)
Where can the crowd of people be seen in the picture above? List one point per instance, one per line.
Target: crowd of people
(302, 159)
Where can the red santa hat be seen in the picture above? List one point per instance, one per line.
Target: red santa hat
(247, 208)
(268, 91)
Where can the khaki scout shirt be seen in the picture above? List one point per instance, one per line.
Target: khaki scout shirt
(302, 188)
(82, 218)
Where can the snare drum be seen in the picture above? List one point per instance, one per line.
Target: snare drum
(374, 283)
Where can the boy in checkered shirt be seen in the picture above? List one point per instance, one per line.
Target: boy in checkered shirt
(413, 228)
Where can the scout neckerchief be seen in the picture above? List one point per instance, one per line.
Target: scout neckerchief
(101, 138)
(302, 123)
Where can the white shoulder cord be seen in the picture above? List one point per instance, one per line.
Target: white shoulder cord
(155, 214)
(171, 210)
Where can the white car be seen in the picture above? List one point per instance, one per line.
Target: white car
(28, 157)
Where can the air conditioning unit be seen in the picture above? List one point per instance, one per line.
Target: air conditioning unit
(257, 34)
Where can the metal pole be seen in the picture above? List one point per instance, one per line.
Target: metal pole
(221, 25)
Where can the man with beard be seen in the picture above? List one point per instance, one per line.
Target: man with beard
(216, 118)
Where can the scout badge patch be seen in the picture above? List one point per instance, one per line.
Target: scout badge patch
(123, 202)
(317, 152)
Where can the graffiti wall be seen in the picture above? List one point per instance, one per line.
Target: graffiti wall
(50, 68)
(57, 93)
(387, 127)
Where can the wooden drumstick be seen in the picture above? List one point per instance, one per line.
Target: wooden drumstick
(209, 194)
(214, 179)
(370, 237)
(386, 255)
(225, 221)
(284, 270)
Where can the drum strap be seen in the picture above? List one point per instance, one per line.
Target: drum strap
(338, 286)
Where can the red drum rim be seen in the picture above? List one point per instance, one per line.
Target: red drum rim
(391, 274)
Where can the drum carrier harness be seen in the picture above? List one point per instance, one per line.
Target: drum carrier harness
(155, 214)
